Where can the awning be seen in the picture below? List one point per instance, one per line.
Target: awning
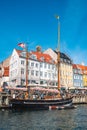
(34, 88)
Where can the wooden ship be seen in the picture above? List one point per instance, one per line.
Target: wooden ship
(44, 103)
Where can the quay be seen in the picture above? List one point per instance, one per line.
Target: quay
(5, 99)
(80, 99)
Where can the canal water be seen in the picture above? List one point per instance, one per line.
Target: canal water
(72, 119)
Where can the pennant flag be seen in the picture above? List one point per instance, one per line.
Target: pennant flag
(21, 45)
(57, 17)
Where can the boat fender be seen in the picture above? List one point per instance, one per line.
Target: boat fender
(13, 96)
(53, 107)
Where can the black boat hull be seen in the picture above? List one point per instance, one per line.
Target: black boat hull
(39, 104)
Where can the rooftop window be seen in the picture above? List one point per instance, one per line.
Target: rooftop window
(42, 58)
(33, 57)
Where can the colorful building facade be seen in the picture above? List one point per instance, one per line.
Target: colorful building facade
(77, 76)
(66, 68)
(84, 72)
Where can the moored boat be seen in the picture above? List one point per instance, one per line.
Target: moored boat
(44, 103)
(40, 104)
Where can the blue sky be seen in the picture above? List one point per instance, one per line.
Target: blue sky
(33, 22)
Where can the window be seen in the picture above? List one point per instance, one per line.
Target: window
(53, 67)
(32, 64)
(22, 71)
(53, 75)
(64, 60)
(32, 72)
(28, 72)
(36, 65)
(49, 75)
(48, 66)
(41, 73)
(81, 77)
(33, 57)
(45, 65)
(69, 61)
(23, 54)
(41, 82)
(45, 74)
(74, 77)
(42, 58)
(41, 65)
(37, 73)
(22, 62)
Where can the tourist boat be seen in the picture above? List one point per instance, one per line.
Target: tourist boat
(47, 103)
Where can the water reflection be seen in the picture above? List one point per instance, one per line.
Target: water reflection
(74, 119)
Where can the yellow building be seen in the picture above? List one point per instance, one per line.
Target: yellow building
(66, 68)
(66, 72)
(85, 77)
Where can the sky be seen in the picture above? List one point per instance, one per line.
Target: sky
(33, 22)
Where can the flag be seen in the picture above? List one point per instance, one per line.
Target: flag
(57, 16)
(21, 45)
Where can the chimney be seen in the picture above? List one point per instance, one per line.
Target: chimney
(38, 48)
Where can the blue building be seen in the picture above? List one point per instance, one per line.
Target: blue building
(77, 76)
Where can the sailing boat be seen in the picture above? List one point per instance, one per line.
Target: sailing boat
(41, 104)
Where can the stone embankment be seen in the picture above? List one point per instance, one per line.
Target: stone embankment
(80, 99)
(4, 100)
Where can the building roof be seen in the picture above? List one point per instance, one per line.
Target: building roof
(6, 71)
(80, 67)
(42, 57)
(77, 66)
(64, 56)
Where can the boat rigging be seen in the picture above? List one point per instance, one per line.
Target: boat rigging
(44, 103)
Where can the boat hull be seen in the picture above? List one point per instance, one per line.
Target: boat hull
(39, 104)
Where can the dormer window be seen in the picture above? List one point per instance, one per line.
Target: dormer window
(64, 60)
(69, 61)
(42, 58)
(52, 61)
(33, 57)
(23, 54)
(22, 62)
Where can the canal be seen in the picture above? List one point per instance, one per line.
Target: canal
(72, 119)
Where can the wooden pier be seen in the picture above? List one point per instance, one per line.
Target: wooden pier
(4, 100)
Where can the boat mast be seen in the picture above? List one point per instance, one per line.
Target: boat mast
(58, 55)
(26, 95)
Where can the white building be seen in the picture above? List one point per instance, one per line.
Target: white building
(4, 76)
(41, 69)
